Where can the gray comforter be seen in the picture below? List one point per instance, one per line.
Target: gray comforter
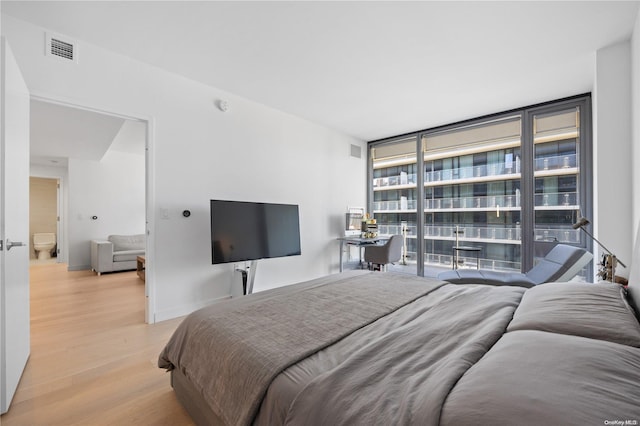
(235, 351)
(381, 349)
(407, 372)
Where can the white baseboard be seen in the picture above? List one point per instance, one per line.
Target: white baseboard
(79, 268)
(180, 311)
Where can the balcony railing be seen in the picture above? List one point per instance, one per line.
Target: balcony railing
(469, 233)
(565, 235)
(446, 260)
(485, 170)
(396, 229)
(552, 200)
(394, 205)
(402, 179)
(483, 202)
(556, 162)
(556, 199)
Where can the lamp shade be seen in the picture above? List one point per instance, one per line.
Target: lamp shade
(583, 221)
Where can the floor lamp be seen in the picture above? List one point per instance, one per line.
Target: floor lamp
(609, 261)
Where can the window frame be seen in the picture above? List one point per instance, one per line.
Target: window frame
(527, 179)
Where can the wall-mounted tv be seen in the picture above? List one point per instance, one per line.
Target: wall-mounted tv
(243, 231)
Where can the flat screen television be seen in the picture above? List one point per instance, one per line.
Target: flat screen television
(243, 231)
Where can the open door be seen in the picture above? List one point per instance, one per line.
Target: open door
(14, 226)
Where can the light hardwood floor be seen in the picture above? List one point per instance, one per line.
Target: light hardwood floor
(93, 360)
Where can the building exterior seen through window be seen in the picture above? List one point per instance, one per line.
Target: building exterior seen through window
(509, 185)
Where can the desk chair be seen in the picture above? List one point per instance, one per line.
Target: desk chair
(378, 257)
(562, 263)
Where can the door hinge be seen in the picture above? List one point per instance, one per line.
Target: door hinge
(1, 245)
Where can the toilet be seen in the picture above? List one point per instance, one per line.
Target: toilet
(44, 244)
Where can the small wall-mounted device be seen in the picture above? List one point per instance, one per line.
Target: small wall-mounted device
(186, 213)
(223, 105)
(94, 217)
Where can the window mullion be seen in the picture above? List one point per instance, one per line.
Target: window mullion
(420, 196)
(527, 188)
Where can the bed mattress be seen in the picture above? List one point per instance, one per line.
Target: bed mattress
(384, 348)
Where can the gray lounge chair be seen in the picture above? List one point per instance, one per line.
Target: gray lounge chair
(562, 263)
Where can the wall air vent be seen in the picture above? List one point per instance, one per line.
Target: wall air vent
(356, 151)
(61, 47)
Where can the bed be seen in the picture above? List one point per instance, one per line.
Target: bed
(371, 348)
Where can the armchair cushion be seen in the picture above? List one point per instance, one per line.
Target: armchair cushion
(127, 255)
(127, 242)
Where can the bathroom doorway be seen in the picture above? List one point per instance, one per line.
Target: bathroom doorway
(45, 233)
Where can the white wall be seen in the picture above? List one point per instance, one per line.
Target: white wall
(113, 189)
(635, 114)
(613, 185)
(198, 153)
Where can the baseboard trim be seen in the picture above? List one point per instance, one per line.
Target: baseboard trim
(79, 268)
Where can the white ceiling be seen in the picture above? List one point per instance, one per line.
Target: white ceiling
(368, 69)
(60, 132)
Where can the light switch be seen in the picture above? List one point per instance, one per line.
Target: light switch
(164, 213)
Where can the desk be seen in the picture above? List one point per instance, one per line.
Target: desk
(456, 252)
(359, 242)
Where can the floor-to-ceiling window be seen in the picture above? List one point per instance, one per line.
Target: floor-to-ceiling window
(472, 194)
(558, 143)
(510, 186)
(394, 191)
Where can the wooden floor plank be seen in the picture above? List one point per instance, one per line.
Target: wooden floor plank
(93, 359)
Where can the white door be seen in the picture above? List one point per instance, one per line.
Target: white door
(14, 227)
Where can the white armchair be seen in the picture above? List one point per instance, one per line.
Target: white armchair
(117, 253)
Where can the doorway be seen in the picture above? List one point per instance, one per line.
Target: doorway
(44, 220)
(99, 160)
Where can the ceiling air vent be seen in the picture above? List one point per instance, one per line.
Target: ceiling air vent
(61, 47)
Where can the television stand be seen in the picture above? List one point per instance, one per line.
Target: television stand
(248, 276)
